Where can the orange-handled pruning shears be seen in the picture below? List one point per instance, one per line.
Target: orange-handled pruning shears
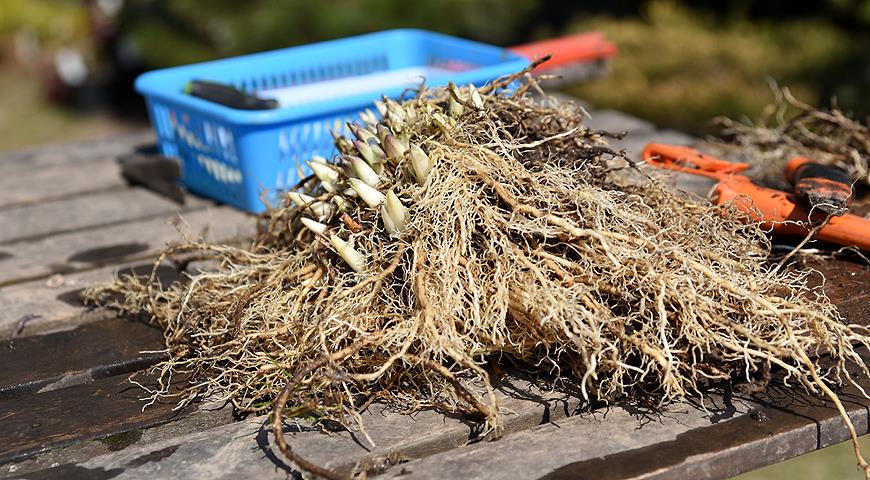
(781, 211)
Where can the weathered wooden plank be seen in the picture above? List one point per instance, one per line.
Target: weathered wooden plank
(243, 449)
(82, 153)
(91, 248)
(41, 306)
(540, 451)
(733, 435)
(843, 280)
(59, 182)
(98, 209)
(52, 418)
(680, 442)
(94, 350)
(45, 464)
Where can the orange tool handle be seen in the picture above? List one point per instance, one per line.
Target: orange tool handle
(568, 50)
(772, 206)
(689, 160)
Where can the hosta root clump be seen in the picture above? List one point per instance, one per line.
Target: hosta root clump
(470, 226)
(791, 128)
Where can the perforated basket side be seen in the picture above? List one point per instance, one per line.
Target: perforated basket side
(206, 148)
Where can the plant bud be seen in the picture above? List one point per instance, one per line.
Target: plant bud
(313, 225)
(345, 250)
(420, 164)
(367, 193)
(361, 133)
(383, 131)
(395, 110)
(340, 202)
(381, 107)
(476, 99)
(442, 122)
(354, 128)
(393, 147)
(341, 142)
(327, 175)
(369, 117)
(364, 172)
(394, 214)
(300, 199)
(456, 109)
(365, 151)
(380, 156)
(321, 210)
(395, 125)
(389, 225)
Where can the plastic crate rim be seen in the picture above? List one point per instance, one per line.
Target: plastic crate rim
(147, 85)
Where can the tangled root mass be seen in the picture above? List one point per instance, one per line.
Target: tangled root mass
(521, 242)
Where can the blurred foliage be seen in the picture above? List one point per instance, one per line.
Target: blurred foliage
(181, 31)
(53, 21)
(856, 10)
(681, 63)
(680, 68)
(232, 27)
(26, 118)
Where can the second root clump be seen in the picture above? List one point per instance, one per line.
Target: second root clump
(790, 128)
(470, 225)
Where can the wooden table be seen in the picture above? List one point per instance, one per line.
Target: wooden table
(67, 409)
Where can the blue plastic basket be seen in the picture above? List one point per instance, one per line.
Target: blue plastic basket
(234, 155)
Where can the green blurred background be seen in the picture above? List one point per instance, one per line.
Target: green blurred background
(680, 65)
(67, 66)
